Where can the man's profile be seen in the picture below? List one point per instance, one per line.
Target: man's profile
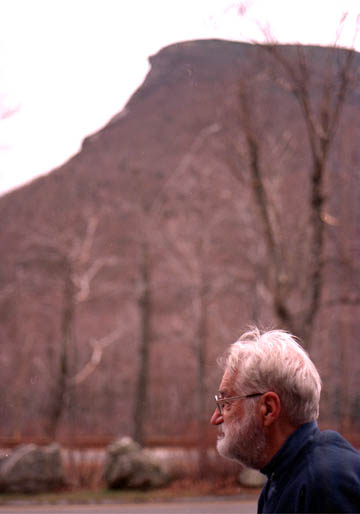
(266, 412)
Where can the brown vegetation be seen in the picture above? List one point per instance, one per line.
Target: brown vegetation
(225, 193)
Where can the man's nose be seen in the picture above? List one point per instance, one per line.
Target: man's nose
(216, 418)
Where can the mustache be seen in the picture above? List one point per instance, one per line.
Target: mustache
(221, 432)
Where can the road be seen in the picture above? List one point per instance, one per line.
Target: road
(178, 507)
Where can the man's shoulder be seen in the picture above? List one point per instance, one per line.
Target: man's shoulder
(331, 443)
(330, 454)
(330, 474)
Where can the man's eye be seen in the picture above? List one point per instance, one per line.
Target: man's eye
(224, 405)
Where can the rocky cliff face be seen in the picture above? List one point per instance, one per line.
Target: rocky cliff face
(147, 247)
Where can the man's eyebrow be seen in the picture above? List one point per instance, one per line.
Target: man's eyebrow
(222, 392)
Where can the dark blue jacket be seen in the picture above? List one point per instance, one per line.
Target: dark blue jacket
(313, 471)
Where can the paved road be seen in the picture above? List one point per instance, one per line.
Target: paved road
(183, 507)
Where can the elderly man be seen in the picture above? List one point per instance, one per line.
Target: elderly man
(266, 412)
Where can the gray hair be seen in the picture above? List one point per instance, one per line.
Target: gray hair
(274, 361)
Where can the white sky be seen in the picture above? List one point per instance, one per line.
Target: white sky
(68, 66)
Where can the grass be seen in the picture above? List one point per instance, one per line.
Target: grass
(182, 488)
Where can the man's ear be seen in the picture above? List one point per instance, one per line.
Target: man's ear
(270, 408)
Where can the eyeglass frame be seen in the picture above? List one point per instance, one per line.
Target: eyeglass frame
(219, 399)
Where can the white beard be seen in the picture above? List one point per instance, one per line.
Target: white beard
(243, 440)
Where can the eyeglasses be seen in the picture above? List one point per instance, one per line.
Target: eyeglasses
(221, 401)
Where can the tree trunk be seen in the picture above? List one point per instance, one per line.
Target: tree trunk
(60, 397)
(144, 303)
(201, 377)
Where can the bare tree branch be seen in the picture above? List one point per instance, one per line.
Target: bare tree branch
(83, 280)
(98, 347)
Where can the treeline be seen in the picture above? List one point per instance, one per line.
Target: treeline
(223, 197)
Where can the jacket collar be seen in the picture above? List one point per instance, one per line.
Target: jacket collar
(290, 449)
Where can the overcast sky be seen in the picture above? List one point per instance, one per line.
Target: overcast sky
(68, 66)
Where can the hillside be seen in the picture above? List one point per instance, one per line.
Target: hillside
(141, 258)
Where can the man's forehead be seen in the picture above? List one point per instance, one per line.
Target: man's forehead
(226, 384)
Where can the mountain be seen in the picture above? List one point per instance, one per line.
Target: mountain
(129, 269)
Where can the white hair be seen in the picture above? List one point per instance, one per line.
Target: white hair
(274, 361)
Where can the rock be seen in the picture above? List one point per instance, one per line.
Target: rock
(123, 446)
(32, 469)
(251, 478)
(127, 465)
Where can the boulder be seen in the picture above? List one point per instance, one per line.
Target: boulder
(128, 466)
(32, 469)
(251, 478)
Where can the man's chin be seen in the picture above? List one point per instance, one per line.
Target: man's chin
(223, 448)
(220, 437)
(232, 453)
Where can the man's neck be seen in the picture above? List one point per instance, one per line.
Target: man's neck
(277, 436)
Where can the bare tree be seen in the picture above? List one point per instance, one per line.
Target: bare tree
(144, 302)
(150, 216)
(70, 261)
(320, 95)
(208, 265)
